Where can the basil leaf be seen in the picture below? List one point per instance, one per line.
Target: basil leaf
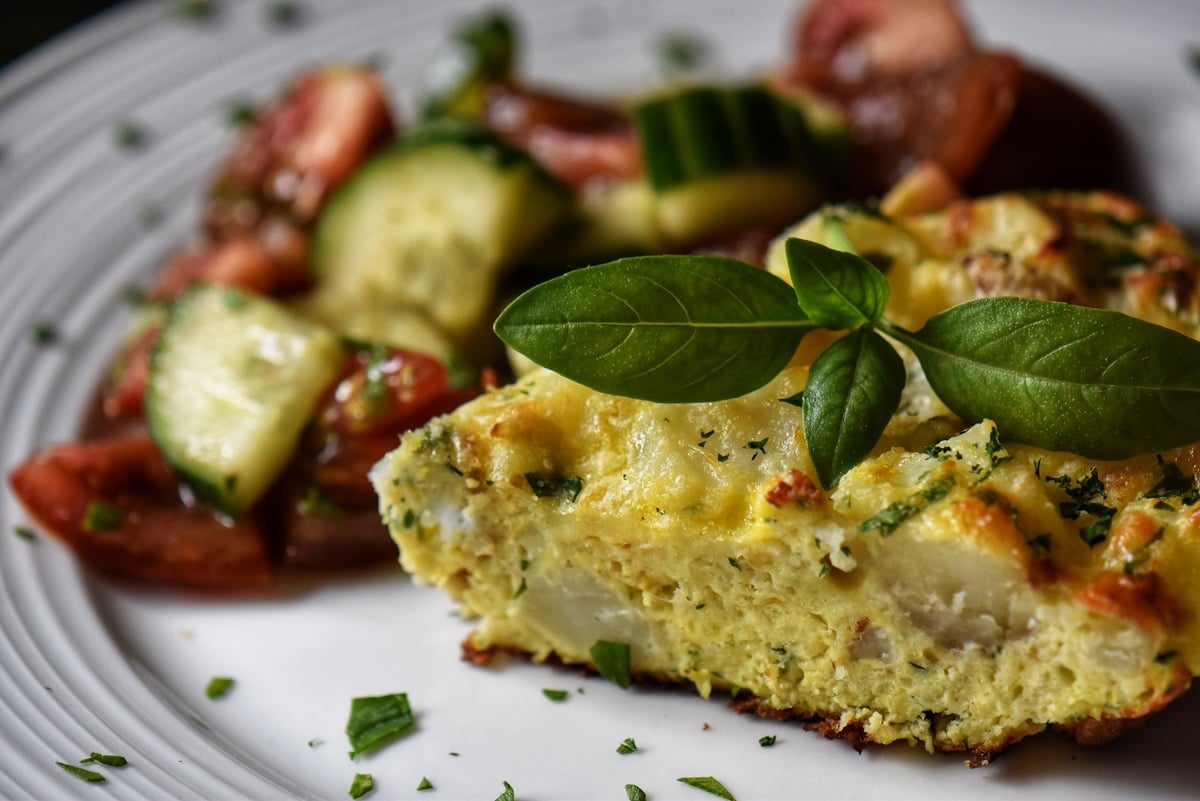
(853, 389)
(612, 661)
(375, 720)
(635, 793)
(81, 773)
(838, 290)
(673, 329)
(1097, 383)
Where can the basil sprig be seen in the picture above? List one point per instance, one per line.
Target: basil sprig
(688, 329)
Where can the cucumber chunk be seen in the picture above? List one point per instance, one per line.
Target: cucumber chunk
(234, 379)
(430, 225)
(721, 158)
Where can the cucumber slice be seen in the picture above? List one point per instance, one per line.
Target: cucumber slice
(234, 379)
(721, 158)
(430, 225)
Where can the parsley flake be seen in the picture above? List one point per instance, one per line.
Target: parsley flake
(375, 720)
(44, 334)
(81, 773)
(101, 517)
(363, 783)
(218, 687)
(612, 661)
(767, 740)
(24, 532)
(555, 695)
(627, 746)
(545, 485)
(508, 795)
(709, 785)
(635, 793)
(759, 446)
(112, 760)
(424, 785)
(197, 10)
(128, 135)
(240, 114)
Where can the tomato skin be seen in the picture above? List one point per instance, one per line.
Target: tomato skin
(158, 538)
(575, 141)
(382, 393)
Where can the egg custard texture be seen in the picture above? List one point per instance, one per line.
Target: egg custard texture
(954, 590)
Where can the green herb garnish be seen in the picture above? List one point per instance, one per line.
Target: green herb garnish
(691, 329)
(112, 760)
(81, 773)
(285, 14)
(555, 695)
(375, 720)
(508, 794)
(218, 687)
(709, 785)
(101, 516)
(363, 783)
(424, 785)
(767, 740)
(545, 485)
(129, 135)
(240, 114)
(612, 661)
(24, 532)
(44, 334)
(196, 10)
(316, 503)
(682, 53)
(627, 746)
(634, 793)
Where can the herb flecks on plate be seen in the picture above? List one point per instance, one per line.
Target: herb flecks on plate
(377, 720)
(692, 329)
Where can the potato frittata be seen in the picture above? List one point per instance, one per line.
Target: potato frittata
(954, 590)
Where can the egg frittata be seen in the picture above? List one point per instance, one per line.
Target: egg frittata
(955, 590)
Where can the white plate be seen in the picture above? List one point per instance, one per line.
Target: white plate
(86, 665)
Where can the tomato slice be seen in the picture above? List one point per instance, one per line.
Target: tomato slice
(117, 504)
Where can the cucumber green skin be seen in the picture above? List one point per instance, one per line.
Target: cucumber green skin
(706, 131)
(233, 493)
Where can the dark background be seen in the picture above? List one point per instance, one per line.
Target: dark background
(26, 23)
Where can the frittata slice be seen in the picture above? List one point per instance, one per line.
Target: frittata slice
(954, 590)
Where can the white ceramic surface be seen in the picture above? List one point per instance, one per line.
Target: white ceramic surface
(86, 665)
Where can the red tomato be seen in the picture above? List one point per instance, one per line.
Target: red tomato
(117, 503)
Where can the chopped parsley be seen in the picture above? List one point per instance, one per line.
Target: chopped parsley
(375, 720)
(424, 785)
(218, 687)
(240, 114)
(521, 589)
(627, 746)
(81, 773)
(734, 563)
(546, 485)
(612, 661)
(112, 760)
(887, 521)
(508, 795)
(197, 10)
(44, 334)
(128, 135)
(759, 446)
(1175, 484)
(363, 783)
(767, 740)
(681, 53)
(555, 695)
(101, 516)
(1166, 657)
(317, 504)
(24, 532)
(634, 793)
(285, 14)
(709, 785)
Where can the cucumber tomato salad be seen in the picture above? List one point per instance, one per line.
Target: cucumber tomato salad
(350, 263)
